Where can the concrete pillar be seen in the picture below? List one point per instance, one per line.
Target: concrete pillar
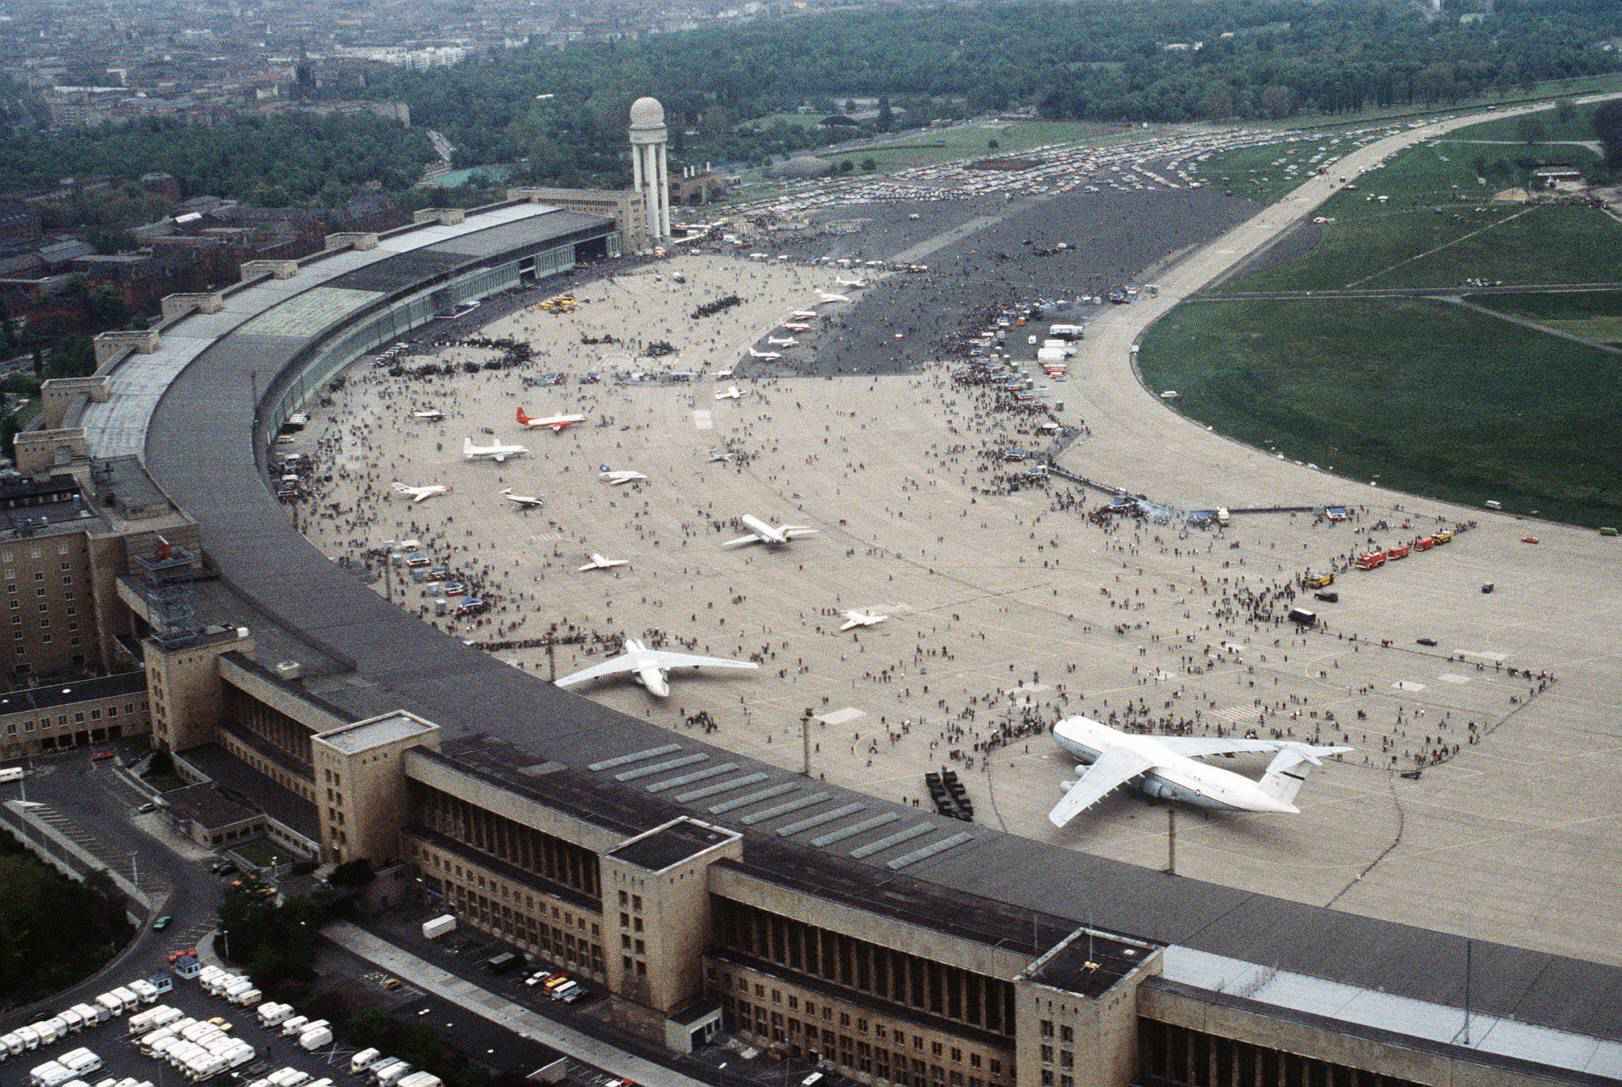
(178, 305)
(664, 193)
(278, 269)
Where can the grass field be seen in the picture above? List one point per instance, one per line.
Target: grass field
(898, 151)
(1435, 203)
(1579, 127)
(1422, 396)
(1596, 315)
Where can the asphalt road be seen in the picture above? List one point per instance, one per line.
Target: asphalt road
(92, 804)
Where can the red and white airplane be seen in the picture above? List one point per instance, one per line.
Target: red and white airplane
(556, 423)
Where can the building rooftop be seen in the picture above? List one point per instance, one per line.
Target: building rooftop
(377, 732)
(671, 844)
(1089, 962)
(208, 806)
(64, 694)
(238, 781)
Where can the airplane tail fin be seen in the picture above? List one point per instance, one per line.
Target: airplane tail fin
(1289, 769)
(523, 417)
(467, 447)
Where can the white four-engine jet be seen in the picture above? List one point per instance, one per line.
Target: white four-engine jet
(1168, 768)
(556, 423)
(523, 501)
(496, 452)
(651, 667)
(420, 494)
(732, 392)
(762, 533)
(854, 619)
(615, 477)
(765, 356)
(599, 563)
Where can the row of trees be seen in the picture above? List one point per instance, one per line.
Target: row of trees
(38, 907)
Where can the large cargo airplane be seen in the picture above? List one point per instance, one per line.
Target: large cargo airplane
(651, 667)
(497, 452)
(762, 533)
(420, 494)
(1168, 768)
(557, 423)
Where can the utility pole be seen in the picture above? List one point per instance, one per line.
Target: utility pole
(1171, 840)
(551, 661)
(805, 740)
(135, 870)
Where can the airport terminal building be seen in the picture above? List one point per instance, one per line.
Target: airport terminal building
(706, 892)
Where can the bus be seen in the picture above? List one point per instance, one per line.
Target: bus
(10, 774)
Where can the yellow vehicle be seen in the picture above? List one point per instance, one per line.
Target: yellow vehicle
(1443, 537)
(1320, 581)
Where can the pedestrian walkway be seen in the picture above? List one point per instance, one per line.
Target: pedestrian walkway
(498, 1009)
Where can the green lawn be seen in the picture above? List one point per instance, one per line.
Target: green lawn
(1596, 315)
(1260, 172)
(919, 147)
(1426, 397)
(1580, 126)
(1434, 199)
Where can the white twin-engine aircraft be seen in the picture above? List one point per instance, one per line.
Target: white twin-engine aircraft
(523, 501)
(782, 341)
(765, 356)
(496, 452)
(651, 667)
(762, 533)
(429, 415)
(599, 563)
(556, 423)
(1168, 768)
(420, 494)
(732, 392)
(841, 281)
(614, 477)
(825, 298)
(854, 619)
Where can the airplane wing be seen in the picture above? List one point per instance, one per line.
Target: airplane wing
(421, 495)
(661, 659)
(613, 666)
(1199, 747)
(795, 531)
(742, 541)
(1112, 770)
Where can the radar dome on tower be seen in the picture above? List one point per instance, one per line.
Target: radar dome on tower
(647, 112)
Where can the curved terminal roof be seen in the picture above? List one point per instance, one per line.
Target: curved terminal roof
(198, 446)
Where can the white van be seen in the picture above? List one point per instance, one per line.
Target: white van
(294, 1025)
(363, 1060)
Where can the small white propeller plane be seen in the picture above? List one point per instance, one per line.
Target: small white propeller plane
(523, 501)
(782, 341)
(598, 562)
(651, 667)
(720, 456)
(826, 298)
(615, 477)
(1168, 768)
(854, 619)
(556, 423)
(732, 392)
(429, 415)
(420, 494)
(765, 356)
(496, 452)
(841, 281)
(762, 533)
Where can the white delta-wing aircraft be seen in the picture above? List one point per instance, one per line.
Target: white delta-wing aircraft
(651, 667)
(1168, 768)
(825, 298)
(732, 393)
(854, 619)
(599, 563)
(615, 477)
(420, 494)
(523, 501)
(496, 452)
(765, 356)
(556, 423)
(782, 341)
(762, 533)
